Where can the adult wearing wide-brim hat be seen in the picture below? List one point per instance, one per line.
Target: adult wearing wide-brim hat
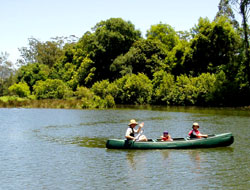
(132, 122)
(195, 133)
(133, 134)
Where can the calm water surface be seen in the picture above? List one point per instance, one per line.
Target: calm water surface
(65, 149)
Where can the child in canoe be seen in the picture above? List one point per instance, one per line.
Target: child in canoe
(195, 133)
(166, 137)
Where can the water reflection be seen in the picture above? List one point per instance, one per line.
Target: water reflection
(195, 158)
(165, 154)
(136, 158)
(200, 161)
(131, 159)
(89, 142)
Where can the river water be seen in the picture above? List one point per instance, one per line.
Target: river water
(65, 149)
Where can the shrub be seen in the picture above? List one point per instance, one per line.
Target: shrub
(163, 83)
(91, 100)
(21, 89)
(52, 89)
(104, 88)
(98, 102)
(134, 89)
(83, 92)
(184, 90)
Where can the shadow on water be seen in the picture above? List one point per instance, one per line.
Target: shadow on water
(236, 111)
(89, 142)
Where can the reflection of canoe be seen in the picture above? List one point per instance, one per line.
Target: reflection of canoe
(218, 140)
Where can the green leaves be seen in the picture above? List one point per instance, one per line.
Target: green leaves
(21, 89)
(52, 89)
(109, 39)
(134, 89)
(114, 64)
(165, 34)
(214, 44)
(145, 56)
(31, 73)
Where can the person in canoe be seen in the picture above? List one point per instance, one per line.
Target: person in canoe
(195, 133)
(166, 137)
(133, 134)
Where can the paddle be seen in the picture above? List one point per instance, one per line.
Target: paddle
(211, 135)
(138, 135)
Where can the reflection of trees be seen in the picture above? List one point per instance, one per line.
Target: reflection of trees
(131, 159)
(195, 158)
(136, 158)
(165, 154)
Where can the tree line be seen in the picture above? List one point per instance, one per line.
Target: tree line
(113, 64)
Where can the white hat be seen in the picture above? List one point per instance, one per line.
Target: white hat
(196, 124)
(132, 121)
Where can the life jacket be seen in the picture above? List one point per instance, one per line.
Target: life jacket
(133, 132)
(165, 138)
(191, 134)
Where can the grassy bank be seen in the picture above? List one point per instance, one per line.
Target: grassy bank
(7, 102)
(17, 102)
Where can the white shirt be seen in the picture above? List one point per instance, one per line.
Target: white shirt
(129, 131)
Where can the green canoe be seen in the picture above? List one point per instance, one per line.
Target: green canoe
(218, 140)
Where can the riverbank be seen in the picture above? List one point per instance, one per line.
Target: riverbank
(17, 102)
(48, 103)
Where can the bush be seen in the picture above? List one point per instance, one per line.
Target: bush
(91, 100)
(184, 90)
(31, 73)
(163, 83)
(98, 102)
(109, 101)
(134, 89)
(21, 89)
(83, 92)
(104, 88)
(52, 89)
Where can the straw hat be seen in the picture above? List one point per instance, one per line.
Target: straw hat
(196, 124)
(132, 121)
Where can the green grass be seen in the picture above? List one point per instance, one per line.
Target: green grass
(10, 98)
(13, 101)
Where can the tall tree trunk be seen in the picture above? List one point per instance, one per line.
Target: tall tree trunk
(243, 10)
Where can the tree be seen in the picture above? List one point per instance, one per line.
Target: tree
(109, 39)
(46, 53)
(215, 46)
(243, 8)
(83, 75)
(165, 34)
(176, 58)
(226, 11)
(244, 11)
(145, 56)
(31, 73)
(6, 73)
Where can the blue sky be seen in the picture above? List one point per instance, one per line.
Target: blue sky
(43, 19)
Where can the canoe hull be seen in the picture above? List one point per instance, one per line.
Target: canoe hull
(219, 140)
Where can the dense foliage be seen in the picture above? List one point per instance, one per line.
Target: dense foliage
(113, 64)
